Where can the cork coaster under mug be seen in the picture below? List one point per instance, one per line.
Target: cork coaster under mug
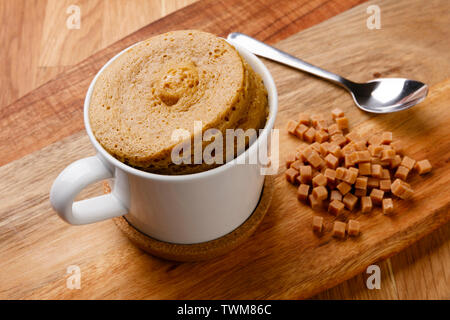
(204, 250)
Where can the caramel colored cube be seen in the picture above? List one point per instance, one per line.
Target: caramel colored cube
(377, 171)
(320, 193)
(350, 201)
(396, 161)
(385, 185)
(302, 192)
(337, 113)
(305, 153)
(340, 173)
(375, 150)
(315, 118)
(316, 204)
(385, 174)
(348, 149)
(315, 146)
(300, 131)
(407, 192)
(291, 126)
(338, 139)
(303, 118)
(360, 192)
(297, 164)
(348, 160)
(401, 189)
(339, 229)
(402, 172)
(353, 228)
(365, 169)
(408, 162)
(290, 158)
(354, 157)
(309, 135)
(291, 174)
(331, 161)
(353, 136)
(361, 183)
(319, 180)
(377, 195)
(317, 224)
(386, 137)
(335, 207)
(388, 206)
(314, 159)
(397, 146)
(373, 182)
(333, 129)
(423, 166)
(324, 148)
(354, 169)
(335, 195)
(343, 187)
(336, 151)
(330, 174)
(350, 176)
(321, 136)
(387, 154)
(366, 204)
(305, 174)
(375, 160)
(363, 156)
(322, 125)
(342, 123)
(375, 139)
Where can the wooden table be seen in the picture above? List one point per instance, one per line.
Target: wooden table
(40, 48)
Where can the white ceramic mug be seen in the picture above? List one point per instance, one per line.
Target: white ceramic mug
(182, 209)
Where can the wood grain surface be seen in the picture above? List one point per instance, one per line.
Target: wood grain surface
(40, 46)
(37, 254)
(54, 111)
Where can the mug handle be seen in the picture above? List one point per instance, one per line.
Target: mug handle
(69, 184)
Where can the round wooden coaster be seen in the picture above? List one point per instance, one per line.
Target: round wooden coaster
(204, 250)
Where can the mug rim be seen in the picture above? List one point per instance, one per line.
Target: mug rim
(273, 108)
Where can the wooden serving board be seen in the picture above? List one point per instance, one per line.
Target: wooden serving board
(283, 259)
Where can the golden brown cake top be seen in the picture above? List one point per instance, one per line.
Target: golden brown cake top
(165, 83)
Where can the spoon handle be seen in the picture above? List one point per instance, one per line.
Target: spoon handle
(264, 50)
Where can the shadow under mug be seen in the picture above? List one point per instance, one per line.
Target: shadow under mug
(183, 209)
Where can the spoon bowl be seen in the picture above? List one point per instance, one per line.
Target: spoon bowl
(376, 96)
(387, 95)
